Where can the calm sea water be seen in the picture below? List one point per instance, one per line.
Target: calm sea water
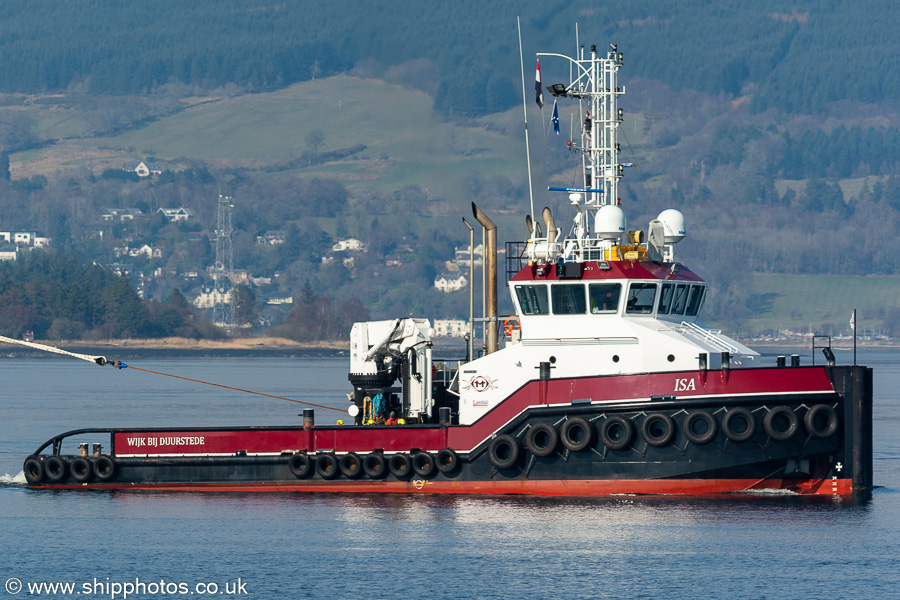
(276, 546)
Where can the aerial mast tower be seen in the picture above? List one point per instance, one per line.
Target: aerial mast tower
(223, 301)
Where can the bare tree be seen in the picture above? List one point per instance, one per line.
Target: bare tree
(314, 139)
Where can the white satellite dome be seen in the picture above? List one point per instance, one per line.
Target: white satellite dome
(609, 224)
(673, 224)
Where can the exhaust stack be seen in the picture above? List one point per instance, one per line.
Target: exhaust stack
(552, 231)
(490, 266)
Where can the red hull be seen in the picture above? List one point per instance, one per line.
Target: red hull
(692, 487)
(788, 383)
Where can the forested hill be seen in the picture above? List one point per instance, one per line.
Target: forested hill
(795, 57)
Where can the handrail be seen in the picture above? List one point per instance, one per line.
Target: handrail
(710, 336)
(56, 440)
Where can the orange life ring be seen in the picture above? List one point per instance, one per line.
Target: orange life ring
(511, 324)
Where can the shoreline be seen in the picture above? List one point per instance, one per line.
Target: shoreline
(841, 345)
(126, 349)
(281, 347)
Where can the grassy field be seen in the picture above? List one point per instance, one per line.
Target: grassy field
(405, 142)
(800, 301)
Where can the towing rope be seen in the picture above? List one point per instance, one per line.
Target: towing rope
(102, 360)
(228, 387)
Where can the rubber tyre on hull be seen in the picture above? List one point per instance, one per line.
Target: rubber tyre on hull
(328, 466)
(504, 451)
(541, 439)
(34, 470)
(703, 437)
(56, 468)
(300, 465)
(104, 468)
(813, 421)
(351, 465)
(82, 470)
(423, 464)
(400, 466)
(733, 431)
(616, 432)
(374, 465)
(781, 423)
(447, 460)
(657, 429)
(576, 434)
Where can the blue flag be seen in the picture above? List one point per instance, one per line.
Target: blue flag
(555, 118)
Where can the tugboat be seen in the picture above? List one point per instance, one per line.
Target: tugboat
(607, 383)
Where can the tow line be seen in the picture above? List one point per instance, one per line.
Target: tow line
(103, 361)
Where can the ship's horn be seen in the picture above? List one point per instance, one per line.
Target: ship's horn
(552, 232)
(529, 225)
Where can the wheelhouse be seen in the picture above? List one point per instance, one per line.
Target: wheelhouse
(664, 300)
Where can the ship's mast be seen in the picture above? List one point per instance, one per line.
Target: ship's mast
(594, 84)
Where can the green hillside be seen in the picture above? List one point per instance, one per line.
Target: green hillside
(774, 51)
(320, 120)
(405, 142)
(796, 302)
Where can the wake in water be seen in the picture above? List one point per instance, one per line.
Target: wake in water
(768, 492)
(18, 480)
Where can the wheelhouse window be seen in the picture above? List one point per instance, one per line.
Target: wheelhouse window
(681, 294)
(568, 299)
(640, 298)
(665, 298)
(533, 299)
(695, 300)
(604, 297)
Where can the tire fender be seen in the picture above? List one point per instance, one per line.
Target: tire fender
(616, 432)
(541, 439)
(712, 427)
(576, 434)
(504, 451)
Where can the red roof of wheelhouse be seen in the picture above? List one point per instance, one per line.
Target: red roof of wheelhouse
(619, 269)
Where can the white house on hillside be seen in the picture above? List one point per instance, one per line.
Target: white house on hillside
(145, 250)
(349, 244)
(23, 238)
(273, 237)
(143, 169)
(121, 214)
(9, 252)
(447, 283)
(450, 328)
(177, 214)
(208, 298)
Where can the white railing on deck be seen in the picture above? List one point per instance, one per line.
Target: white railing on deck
(710, 336)
(447, 374)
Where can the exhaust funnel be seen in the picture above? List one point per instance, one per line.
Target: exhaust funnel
(490, 266)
